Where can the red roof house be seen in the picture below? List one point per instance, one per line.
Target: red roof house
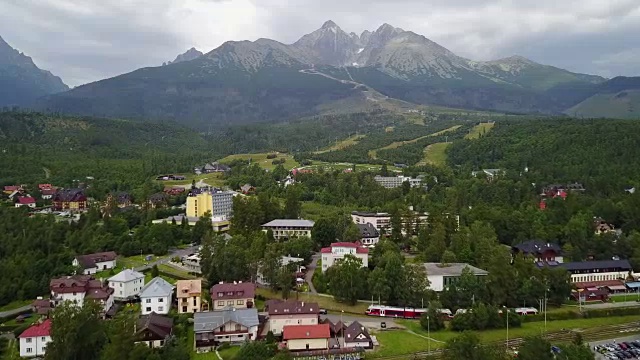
(238, 295)
(307, 337)
(37, 330)
(27, 201)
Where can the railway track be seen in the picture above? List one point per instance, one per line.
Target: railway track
(590, 334)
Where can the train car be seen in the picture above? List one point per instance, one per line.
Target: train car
(401, 312)
(526, 311)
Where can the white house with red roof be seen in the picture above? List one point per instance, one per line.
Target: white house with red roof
(25, 201)
(306, 337)
(34, 340)
(77, 288)
(337, 251)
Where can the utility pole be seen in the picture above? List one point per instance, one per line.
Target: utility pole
(429, 332)
(545, 311)
(507, 311)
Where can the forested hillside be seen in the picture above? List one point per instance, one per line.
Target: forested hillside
(601, 154)
(118, 154)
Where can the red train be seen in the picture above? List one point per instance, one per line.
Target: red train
(401, 312)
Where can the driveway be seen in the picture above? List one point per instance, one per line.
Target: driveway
(173, 253)
(370, 322)
(309, 274)
(15, 311)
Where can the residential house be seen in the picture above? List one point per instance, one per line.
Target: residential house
(48, 194)
(283, 313)
(34, 340)
(441, 276)
(356, 335)
(234, 326)
(92, 263)
(369, 235)
(306, 337)
(192, 262)
(10, 189)
(70, 200)
(174, 190)
(121, 199)
(156, 297)
(247, 189)
(540, 251)
(596, 271)
(189, 294)
(127, 284)
(490, 174)
(153, 330)
(602, 227)
(157, 201)
(284, 229)
(284, 261)
(45, 186)
(337, 251)
(25, 201)
(239, 295)
(77, 288)
(391, 182)
(214, 167)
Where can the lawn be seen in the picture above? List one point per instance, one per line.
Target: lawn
(261, 159)
(313, 210)
(136, 260)
(15, 305)
(324, 302)
(206, 356)
(624, 297)
(170, 270)
(479, 130)
(399, 342)
(229, 353)
(148, 277)
(352, 140)
(436, 154)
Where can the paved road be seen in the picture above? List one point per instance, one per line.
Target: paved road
(610, 305)
(15, 311)
(309, 274)
(371, 322)
(175, 252)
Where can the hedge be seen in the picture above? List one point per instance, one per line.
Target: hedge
(590, 314)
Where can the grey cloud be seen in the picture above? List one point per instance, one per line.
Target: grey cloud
(87, 40)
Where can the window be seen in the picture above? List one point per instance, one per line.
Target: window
(148, 308)
(42, 339)
(230, 302)
(195, 301)
(184, 309)
(220, 303)
(29, 350)
(120, 284)
(160, 300)
(240, 302)
(160, 308)
(148, 301)
(29, 340)
(238, 327)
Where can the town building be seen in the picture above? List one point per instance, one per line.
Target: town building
(595, 271)
(356, 335)
(92, 263)
(25, 201)
(602, 227)
(217, 224)
(540, 251)
(382, 221)
(192, 262)
(213, 167)
(34, 340)
(47, 194)
(490, 174)
(337, 251)
(306, 337)
(234, 326)
(10, 189)
(238, 295)
(216, 202)
(127, 284)
(441, 276)
(156, 297)
(153, 330)
(284, 229)
(283, 313)
(189, 294)
(77, 288)
(284, 261)
(120, 198)
(391, 182)
(247, 189)
(73, 200)
(369, 235)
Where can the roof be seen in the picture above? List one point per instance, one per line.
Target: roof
(293, 307)
(359, 249)
(453, 269)
(89, 261)
(43, 329)
(368, 230)
(127, 275)
(354, 330)
(48, 191)
(536, 247)
(76, 283)
(99, 293)
(12, 187)
(369, 214)
(289, 223)
(70, 195)
(157, 287)
(293, 332)
(593, 265)
(210, 320)
(233, 291)
(159, 325)
(188, 287)
(25, 200)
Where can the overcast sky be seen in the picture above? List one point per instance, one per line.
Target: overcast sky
(88, 40)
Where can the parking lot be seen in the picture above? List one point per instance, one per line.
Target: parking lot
(617, 349)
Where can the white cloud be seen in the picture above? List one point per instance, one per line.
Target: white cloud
(87, 40)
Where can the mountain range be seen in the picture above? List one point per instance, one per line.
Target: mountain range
(331, 71)
(21, 81)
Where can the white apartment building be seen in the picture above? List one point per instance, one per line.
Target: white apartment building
(337, 251)
(391, 182)
(287, 228)
(127, 284)
(92, 263)
(78, 288)
(34, 340)
(156, 297)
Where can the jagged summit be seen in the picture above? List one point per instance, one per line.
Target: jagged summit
(188, 55)
(329, 24)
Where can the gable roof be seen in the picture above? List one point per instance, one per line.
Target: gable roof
(453, 269)
(127, 275)
(26, 200)
(157, 287)
(536, 247)
(289, 223)
(37, 330)
(238, 291)
(368, 230)
(159, 325)
(601, 264)
(188, 287)
(210, 320)
(293, 307)
(70, 195)
(89, 261)
(294, 332)
(353, 331)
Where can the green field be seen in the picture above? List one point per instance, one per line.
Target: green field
(352, 140)
(170, 270)
(479, 130)
(262, 160)
(621, 105)
(230, 353)
(314, 211)
(374, 153)
(436, 154)
(15, 305)
(398, 342)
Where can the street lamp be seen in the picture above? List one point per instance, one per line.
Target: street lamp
(507, 311)
(429, 332)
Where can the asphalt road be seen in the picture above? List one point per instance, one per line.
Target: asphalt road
(14, 311)
(175, 252)
(308, 276)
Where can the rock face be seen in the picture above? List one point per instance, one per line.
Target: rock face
(189, 55)
(21, 81)
(265, 80)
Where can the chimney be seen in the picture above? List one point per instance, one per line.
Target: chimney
(235, 283)
(221, 282)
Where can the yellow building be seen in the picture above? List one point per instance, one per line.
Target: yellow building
(198, 205)
(189, 294)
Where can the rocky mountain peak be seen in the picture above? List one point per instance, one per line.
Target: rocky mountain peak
(188, 55)
(329, 45)
(329, 24)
